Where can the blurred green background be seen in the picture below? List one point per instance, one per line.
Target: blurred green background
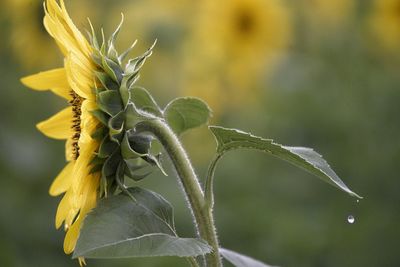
(316, 73)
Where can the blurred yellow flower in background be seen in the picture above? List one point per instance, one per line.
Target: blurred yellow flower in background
(166, 21)
(384, 23)
(29, 40)
(232, 46)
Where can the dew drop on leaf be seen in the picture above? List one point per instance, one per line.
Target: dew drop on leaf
(350, 219)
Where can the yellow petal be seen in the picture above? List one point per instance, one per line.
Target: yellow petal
(84, 44)
(60, 26)
(54, 80)
(87, 203)
(82, 261)
(62, 181)
(58, 126)
(63, 209)
(69, 154)
(72, 236)
(89, 122)
(80, 76)
(81, 170)
(90, 193)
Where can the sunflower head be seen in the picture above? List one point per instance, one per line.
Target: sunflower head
(237, 43)
(384, 23)
(104, 105)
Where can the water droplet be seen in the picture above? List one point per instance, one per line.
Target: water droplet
(358, 201)
(350, 219)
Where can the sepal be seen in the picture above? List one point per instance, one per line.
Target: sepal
(106, 80)
(101, 116)
(109, 102)
(144, 101)
(116, 127)
(112, 68)
(128, 151)
(107, 147)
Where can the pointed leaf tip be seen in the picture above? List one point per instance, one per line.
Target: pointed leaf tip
(305, 158)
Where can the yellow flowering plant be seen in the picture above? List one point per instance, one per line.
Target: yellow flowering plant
(109, 126)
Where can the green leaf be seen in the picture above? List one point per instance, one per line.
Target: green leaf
(186, 113)
(120, 228)
(144, 101)
(239, 260)
(305, 158)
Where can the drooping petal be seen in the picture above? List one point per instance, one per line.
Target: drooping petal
(58, 126)
(72, 236)
(87, 202)
(81, 169)
(54, 80)
(63, 181)
(63, 209)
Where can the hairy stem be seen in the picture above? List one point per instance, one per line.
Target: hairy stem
(209, 190)
(192, 189)
(193, 262)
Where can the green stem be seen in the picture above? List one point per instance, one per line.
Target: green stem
(203, 216)
(209, 190)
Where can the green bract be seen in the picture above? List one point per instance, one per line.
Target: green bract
(123, 152)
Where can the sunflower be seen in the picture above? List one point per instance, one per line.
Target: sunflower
(384, 24)
(234, 43)
(101, 146)
(75, 123)
(28, 34)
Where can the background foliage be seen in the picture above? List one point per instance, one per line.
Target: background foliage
(322, 74)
